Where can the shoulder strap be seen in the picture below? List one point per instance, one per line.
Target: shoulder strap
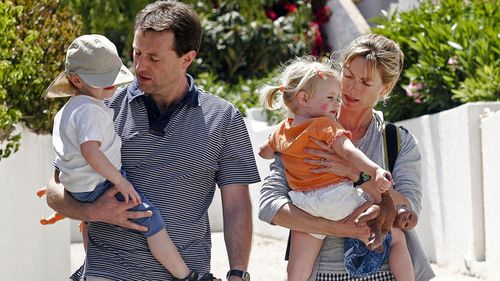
(391, 144)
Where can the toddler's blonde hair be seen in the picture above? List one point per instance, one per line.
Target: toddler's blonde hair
(297, 75)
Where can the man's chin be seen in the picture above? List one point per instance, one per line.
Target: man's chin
(144, 86)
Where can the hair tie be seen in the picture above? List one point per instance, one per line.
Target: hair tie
(281, 88)
(321, 74)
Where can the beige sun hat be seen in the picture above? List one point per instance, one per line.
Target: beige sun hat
(95, 60)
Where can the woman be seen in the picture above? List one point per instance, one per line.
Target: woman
(371, 67)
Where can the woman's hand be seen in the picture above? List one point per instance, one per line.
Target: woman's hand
(350, 228)
(329, 162)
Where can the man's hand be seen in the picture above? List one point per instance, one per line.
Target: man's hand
(110, 210)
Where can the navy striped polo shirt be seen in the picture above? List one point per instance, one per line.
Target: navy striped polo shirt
(204, 143)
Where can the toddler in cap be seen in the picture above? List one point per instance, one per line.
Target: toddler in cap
(87, 148)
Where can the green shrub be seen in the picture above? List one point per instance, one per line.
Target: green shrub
(239, 41)
(452, 50)
(33, 38)
(242, 47)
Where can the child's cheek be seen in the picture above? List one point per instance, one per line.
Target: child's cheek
(323, 107)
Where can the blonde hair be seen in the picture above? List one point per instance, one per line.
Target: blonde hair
(381, 53)
(297, 75)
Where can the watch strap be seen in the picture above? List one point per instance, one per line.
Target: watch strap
(363, 177)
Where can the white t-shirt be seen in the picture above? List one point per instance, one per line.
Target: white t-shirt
(83, 119)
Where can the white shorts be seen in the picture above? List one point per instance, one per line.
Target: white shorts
(333, 202)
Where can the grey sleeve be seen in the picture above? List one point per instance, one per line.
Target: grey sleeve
(407, 177)
(407, 170)
(274, 192)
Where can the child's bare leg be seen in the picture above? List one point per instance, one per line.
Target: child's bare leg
(399, 259)
(166, 253)
(304, 250)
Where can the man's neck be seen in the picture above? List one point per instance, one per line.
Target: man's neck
(171, 95)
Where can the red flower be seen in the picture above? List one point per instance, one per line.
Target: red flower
(323, 15)
(290, 7)
(271, 14)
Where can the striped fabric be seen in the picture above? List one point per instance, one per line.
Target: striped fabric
(379, 276)
(203, 146)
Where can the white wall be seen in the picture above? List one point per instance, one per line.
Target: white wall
(490, 129)
(28, 250)
(345, 24)
(450, 143)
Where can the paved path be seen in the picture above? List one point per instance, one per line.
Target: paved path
(266, 260)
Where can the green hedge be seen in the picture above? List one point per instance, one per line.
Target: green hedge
(452, 50)
(31, 55)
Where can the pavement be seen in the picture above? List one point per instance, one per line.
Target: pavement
(266, 260)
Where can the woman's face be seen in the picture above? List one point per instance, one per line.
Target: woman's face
(361, 87)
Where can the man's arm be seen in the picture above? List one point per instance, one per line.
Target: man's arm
(237, 214)
(105, 209)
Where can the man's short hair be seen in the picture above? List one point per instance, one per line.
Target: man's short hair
(174, 16)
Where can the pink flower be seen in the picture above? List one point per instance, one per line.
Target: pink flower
(412, 90)
(453, 62)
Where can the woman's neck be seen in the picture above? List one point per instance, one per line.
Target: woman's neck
(356, 122)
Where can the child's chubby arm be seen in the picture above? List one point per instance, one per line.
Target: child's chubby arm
(100, 163)
(266, 151)
(346, 149)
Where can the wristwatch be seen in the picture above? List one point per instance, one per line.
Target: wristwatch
(363, 177)
(242, 274)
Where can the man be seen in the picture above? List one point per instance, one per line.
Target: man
(178, 142)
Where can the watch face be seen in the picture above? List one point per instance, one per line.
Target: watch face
(246, 276)
(366, 177)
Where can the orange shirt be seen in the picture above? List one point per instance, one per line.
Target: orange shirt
(291, 141)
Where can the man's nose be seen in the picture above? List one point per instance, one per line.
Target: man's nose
(140, 64)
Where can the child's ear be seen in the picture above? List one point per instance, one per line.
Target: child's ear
(302, 98)
(75, 80)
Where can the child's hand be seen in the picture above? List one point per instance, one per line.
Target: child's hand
(383, 179)
(128, 191)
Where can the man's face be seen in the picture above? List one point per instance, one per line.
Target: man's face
(157, 65)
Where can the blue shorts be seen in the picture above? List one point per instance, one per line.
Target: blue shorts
(154, 223)
(360, 261)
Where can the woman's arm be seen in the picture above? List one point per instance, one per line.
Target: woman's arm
(275, 207)
(407, 173)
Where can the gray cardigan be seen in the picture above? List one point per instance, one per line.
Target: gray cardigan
(406, 174)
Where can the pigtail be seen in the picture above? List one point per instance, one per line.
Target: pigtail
(270, 96)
